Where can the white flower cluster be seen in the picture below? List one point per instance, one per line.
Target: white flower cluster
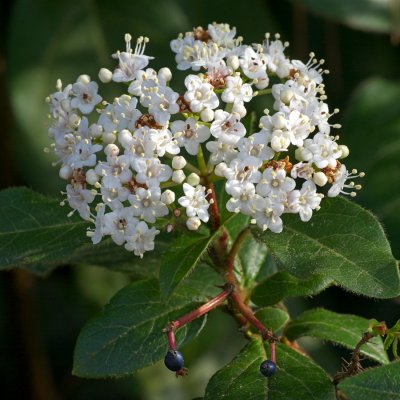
(125, 161)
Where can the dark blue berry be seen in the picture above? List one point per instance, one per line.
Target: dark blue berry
(174, 360)
(268, 368)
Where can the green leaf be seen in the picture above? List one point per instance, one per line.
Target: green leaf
(346, 330)
(35, 233)
(367, 15)
(343, 242)
(382, 383)
(372, 126)
(185, 253)
(273, 317)
(283, 285)
(127, 334)
(297, 377)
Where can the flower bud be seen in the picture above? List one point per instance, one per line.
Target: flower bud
(178, 162)
(65, 172)
(165, 74)
(220, 169)
(240, 109)
(320, 178)
(233, 62)
(345, 151)
(302, 154)
(178, 176)
(262, 83)
(108, 138)
(168, 197)
(193, 179)
(207, 115)
(125, 138)
(74, 120)
(111, 150)
(279, 121)
(286, 96)
(85, 79)
(91, 177)
(105, 75)
(95, 130)
(193, 223)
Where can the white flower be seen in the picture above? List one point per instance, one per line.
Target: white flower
(275, 58)
(161, 101)
(131, 62)
(135, 87)
(304, 201)
(256, 146)
(242, 200)
(97, 234)
(253, 64)
(302, 170)
(114, 197)
(195, 202)
(275, 183)
(141, 239)
(227, 128)
(325, 151)
(190, 134)
(85, 96)
(119, 224)
(78, 198)
(267, 214)
(147, 205)
(200, 94)
(340, 177)
(236, 91)
(151, 171)
(222, 34)
(221, 152)
(115, 172)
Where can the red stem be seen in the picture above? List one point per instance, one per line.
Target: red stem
(203, 309)
(272, 353)
(214, 211)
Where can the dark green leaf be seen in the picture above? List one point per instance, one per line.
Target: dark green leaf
(382, 383)
(282, 285)
(185, 253)
(367, 15)
(273, 317)
(343, 242)
(371, 128)
(35, 232)
(297, 377)
(346, 330)
(127, 335)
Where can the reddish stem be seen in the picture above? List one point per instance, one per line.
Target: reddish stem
(272, 353)
(203, 309)
(214, 211)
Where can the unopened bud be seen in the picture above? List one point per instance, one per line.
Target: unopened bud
(302, 154)
(178, 176)
(168, 197)
(108, 138)
(286, 96)
(279, 121)
(85, 79)
(65, 172)
(240, 109)
(207, 115)
(91, 177)
(220, 169)
(95, 130)
(233, 62)
(193, 179)
(111, 150)
(178, 162)
(165, 74)
(105, 75)
(345, 151)
(193, 223)
(320, 179)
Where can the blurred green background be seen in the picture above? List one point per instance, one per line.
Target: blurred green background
(42, 40)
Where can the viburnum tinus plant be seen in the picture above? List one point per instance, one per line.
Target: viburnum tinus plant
(156, 163)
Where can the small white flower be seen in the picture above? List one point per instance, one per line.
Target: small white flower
(190, 134)
(195, 202)
(304, 201)
(242, 200)
(147, 205)
(325, 151)
(151, 171)
(267, 214)
(200, 94)
(130, 62)
(141, 240)
(78, 198)
(340, 177)
(256, 146)
(275, 183)
(221, 152)
(253, 64)
(236, 91)
(119, 224)
(227, 128)
(85, 96)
